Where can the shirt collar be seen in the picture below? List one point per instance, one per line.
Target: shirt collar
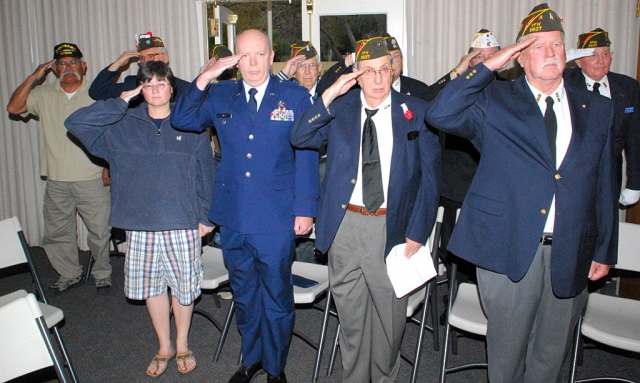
(385, 104)
(558, 94)
(603, 82)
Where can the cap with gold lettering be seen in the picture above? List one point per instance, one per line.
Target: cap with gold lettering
(372, 48)
(66, 50)
(219, 51)
(148, 40)
(484, 39)
(303, 48)
(540, 19)
(594, 39)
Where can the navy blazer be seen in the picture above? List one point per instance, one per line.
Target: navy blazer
(413, 193)
(625, 93)
(262, 183)
(505, 211)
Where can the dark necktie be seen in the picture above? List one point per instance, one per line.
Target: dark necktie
(372, 192)
(253, 104)
(313, 97)
(551, 124)
(596, 87)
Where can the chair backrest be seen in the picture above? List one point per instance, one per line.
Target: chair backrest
(434, 238)
(14, 250)
(629, 247)
(11, 252)
(23, 346)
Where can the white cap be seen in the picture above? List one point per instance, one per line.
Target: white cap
(484, 39)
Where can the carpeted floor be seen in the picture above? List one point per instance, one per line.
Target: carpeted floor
(110, 339)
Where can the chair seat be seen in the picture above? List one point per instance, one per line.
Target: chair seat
(52, 315)
(215, 273)
(415, 299)
(613, 321)
(318, 273)
(466, 313)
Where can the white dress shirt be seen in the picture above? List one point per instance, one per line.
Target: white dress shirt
(384, 132)
(563, 137)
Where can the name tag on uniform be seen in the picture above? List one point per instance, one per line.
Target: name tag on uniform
(628, 110)
(223, 115)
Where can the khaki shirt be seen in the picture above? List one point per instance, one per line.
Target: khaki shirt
(61, 159)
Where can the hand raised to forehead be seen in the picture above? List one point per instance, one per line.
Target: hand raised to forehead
(501, 58)
(129, 94)
(214, 68)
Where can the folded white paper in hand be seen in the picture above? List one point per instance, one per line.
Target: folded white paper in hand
(408, 274)
(575, 53)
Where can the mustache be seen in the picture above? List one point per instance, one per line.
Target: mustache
(70, 72)
(552, 61)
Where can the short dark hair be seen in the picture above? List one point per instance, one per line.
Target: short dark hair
(160, 70)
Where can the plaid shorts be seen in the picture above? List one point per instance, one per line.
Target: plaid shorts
(157, 259)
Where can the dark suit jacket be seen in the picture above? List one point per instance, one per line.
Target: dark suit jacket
(505, 211)
(408, 85)
(413, 193)
(263, 183)
(625, 93)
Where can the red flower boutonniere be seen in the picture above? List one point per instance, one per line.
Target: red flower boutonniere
(408, 114)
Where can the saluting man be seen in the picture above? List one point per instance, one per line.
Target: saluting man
(266, 193)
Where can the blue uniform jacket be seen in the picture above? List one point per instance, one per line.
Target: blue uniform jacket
(263, 182)
(413, 192)
(625, 93)
(505, 210)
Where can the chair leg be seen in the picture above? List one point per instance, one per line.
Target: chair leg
(323, 333)
(65, 354)
(576, 347)
(46, 336)
(425, 307)
(225, 330)
(89, 263)
(334, 349)
(434, 315)
(443, 367)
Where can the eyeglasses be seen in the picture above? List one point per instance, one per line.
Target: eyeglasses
(307, 66)
(371, 73)
(397, 56)
(149, 57)
(62, 64)
(160, 86)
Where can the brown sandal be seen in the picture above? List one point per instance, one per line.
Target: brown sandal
(160, 360)
(183, 357)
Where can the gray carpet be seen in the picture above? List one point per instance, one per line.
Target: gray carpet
(110, 339)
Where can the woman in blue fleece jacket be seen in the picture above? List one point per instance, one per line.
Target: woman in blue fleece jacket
(161, 187)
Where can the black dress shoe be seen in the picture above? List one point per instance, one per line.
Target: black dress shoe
(245, 374)
(277, 378)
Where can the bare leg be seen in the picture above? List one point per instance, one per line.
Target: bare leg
(158, 308)
(182, 316)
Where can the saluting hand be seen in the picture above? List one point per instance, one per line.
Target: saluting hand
(129, 94)
(42, 70)
(214, 68)
(464, 63)
(124, 59)
(291, 66)
(340, 87)
(501, 58)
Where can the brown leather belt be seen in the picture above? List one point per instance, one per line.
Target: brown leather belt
(363, 210)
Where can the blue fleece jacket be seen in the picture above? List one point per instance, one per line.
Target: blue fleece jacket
(161, 178)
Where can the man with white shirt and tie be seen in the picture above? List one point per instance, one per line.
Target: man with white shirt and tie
(538, 220)
(594, 71)
(371, 202)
